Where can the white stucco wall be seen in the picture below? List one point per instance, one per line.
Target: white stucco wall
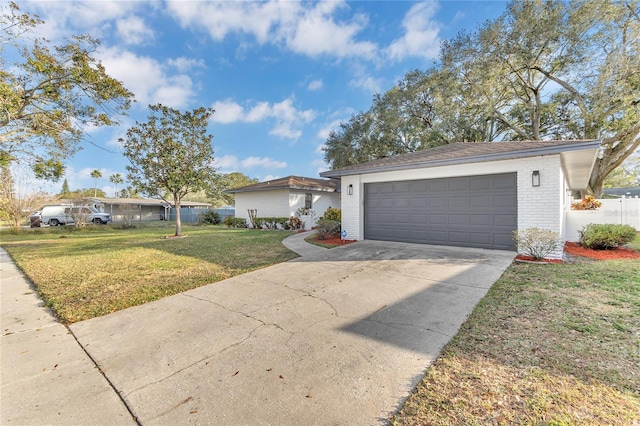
(274, 203)
(284, 203)
(540, 207)
(319, 204)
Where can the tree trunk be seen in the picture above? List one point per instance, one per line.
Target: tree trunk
(176, 205)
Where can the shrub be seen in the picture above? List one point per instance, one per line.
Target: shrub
(606, 236)
(333, 214)
(327, 229)
(211, 217)
(270, 222)
(235, 222)
(535, 242)
(294, 223)
(587, 203)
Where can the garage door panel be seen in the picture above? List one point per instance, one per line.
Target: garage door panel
(438, 203)
(438, 185)
(458, 219)
(480, 238)
(471, 211)
(504, 220)
(458, 203)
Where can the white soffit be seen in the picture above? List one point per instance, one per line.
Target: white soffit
(577, 167)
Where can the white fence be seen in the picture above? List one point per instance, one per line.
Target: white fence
(623, 211)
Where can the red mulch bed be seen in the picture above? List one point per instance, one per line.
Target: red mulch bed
(618, 253)
(336, 241)
(532, 260)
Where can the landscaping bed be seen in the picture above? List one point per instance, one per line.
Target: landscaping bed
(327, 243)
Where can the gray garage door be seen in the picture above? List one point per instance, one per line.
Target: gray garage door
(472, 211)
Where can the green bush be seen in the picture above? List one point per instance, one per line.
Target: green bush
(333, 214)
(210, 217)
(606, 236)
(327, 229)
(235, 222)
(535, 242)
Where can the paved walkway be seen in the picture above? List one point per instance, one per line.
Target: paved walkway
(45, 375)
(334, 337)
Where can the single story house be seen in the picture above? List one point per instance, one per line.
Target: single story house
(465, 194)
(145, 209)
(284, 197)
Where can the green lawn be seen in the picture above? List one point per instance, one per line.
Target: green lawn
(549, 344)
(88, 272)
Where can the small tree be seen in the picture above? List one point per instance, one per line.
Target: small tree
(170, 155)
(96, 174)
(17, 199)
(116, 179)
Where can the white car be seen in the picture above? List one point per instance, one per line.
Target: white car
(64, 214)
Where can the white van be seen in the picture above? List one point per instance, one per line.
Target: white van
(63, 214)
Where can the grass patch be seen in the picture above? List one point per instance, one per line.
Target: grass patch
(549, 344)
(83, 273)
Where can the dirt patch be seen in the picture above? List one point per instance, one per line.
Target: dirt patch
(618, 253)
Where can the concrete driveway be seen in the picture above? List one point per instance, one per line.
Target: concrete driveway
(337, 337)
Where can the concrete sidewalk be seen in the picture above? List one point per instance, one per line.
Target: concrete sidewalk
(45, 375)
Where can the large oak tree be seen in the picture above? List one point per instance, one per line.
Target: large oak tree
(543, 70)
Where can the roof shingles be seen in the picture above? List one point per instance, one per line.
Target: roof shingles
(460, 153)
(291, 182)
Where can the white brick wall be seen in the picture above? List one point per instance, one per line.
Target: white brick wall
(321, 201)
(540, 207)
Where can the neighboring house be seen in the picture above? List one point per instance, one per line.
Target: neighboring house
(285, 196)
(145, 209)
(465, 194)
(623, 192)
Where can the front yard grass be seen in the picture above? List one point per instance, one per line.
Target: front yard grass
(89, 272)
(549, 344)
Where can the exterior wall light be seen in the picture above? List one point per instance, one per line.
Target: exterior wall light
(350, 189)
(535, 178)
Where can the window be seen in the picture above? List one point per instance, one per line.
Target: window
(308, 201)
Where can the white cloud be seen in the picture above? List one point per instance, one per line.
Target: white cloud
(421, 34)
(310, 29)
(287, 118)
(183, 64)
(269, 177)
(232, 163)
(315, 32)
(367, 83)
(147, 78)
(320, 165)
(323, 133)
(133, 30)
(264, 162)
(227, 111)
(315, 85)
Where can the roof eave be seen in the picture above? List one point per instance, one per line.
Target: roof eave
(522, 153)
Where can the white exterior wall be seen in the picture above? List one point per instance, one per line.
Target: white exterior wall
(540, 207)
(274, 203)
(284, 203)
(319, 204)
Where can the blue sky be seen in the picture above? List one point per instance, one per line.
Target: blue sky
(280, 74)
